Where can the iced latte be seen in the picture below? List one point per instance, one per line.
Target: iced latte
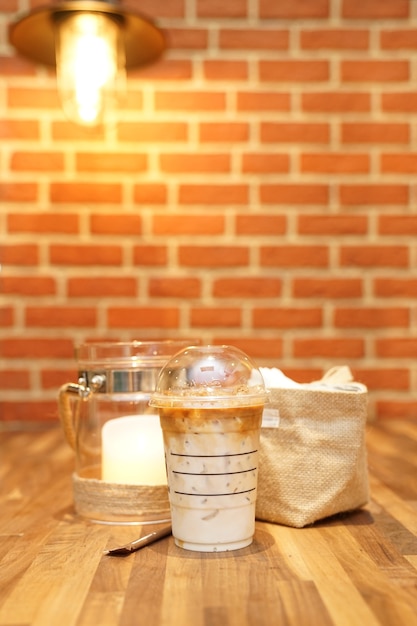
(211, 438)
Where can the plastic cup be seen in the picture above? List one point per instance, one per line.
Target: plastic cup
(210, 401)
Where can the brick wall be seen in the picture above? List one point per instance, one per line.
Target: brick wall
(259, 190)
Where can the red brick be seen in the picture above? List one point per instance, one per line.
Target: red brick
(54, 378)
(159, 8)
(187, 38)
(102, 287)
(396, 409)
(19, 254)
(294, 132)
(332, 163)
(60, 317)
(37, 161)
(150, 255)
(157, 132)
(372, 317)
(223, 132)
(110, 162)
(36, 98)
(330, 102)
(389, 378)
(287, 317)
(182, 224)
(403, 102)
(174, 287)
(325, 347)
(397, 287)
(405, 163)
(201, 317)
(294, 9)
(396, 347)
(150, 193)
(97, 193)
(28, 285)
(43, 223)
(294, 194)
(262, 101)
(18, 192)
(29, 411)
(14, 379)
(164, 69)
(374, 256)
(265, 163)
(9, 6)
(116, 224)
(374, 71)
(213, 194)
(332, 224)
(339, 288)
(225, 70)
(375, 132)
(294, 256)
(397, 225)
(19, 129)
(188, 101)
(213, 256)
(37, 348)
(194, 162)
(258, 348)
(401, 39)
(375, 9)
(67, 131)
(253, 39)
(143, 317)
(334, 39)
(79, 255)
(304, 374)
(238, 287)
(294, 70)
(7, 317)
(382, 194)
(261, 224)
(218, 8)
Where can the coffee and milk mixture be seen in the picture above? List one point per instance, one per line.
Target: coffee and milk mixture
(212, 461)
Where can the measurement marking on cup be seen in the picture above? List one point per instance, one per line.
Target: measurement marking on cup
(211, 495)
(251, 469)
(212, 456)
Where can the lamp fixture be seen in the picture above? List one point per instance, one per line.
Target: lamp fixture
(91, 43)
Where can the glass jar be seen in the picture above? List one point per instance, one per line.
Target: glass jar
(120, 472)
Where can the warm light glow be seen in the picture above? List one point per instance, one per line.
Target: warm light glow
(90, 66)
(133, 451)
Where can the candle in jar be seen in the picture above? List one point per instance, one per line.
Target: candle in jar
(133, 451)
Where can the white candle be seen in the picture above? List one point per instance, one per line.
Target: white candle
(133, 451)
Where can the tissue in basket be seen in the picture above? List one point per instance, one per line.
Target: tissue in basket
(313, 453)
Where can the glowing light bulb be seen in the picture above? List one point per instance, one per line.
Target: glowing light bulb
(90, 66)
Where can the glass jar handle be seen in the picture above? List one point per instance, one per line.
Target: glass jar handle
(67, 416)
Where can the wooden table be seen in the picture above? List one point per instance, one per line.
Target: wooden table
(356, 570)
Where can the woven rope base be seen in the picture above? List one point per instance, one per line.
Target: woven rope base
(120, 504)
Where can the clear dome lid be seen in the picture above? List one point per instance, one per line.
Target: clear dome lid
(209, 376)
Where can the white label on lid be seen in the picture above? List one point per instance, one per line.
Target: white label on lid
(270, 418)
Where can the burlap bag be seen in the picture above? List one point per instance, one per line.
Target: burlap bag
(313, 462)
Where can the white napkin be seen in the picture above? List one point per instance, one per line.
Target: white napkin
(338, 378)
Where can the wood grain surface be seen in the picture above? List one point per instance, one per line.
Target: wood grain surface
(352, 570)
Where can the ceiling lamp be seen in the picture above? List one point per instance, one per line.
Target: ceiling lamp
(91, 43)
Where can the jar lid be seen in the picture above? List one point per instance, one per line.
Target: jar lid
(124, 366)
(119, 355)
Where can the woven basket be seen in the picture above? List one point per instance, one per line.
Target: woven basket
(313, 463)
